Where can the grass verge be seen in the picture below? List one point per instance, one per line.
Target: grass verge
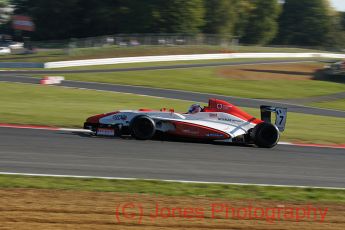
(337, 104)
(57, 106)
(174, 188)
(210, 80)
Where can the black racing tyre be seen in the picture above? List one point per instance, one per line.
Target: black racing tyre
(142, 127)
(87, 125)
(90, 126)
(265, 135)
(117, 131)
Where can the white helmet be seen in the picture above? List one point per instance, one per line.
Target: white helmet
(195, 108)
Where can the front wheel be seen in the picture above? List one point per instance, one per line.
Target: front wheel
(142, 127)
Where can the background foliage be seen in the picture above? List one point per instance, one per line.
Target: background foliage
(289, 22)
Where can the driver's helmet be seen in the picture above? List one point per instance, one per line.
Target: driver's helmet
(195, 108)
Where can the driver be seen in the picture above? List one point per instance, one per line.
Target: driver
(195, 108)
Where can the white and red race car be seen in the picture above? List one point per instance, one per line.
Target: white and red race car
(219, 121)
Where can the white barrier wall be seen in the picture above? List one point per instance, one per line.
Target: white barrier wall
(108, 61)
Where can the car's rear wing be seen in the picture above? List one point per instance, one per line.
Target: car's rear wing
(281, 114)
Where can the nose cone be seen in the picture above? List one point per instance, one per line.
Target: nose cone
(94, 119)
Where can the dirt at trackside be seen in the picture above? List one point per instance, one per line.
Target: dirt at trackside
(63, 209)
(292, 71)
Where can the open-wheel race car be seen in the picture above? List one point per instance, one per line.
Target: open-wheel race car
(219, 121)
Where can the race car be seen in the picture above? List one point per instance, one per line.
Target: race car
(220, 121)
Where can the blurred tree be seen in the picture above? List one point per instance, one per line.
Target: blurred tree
(243, 13)
(342, 20)
(94, 17)
(5, 12)
(262, 25)
(58, 19)
(160, 16)
(3, 3)
(220, 17)
(304, 22)
(139, 16)
(53, 19)
(180, 16)
(336, 37)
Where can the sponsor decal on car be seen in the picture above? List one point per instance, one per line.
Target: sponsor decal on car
(214, 135)
(120, 117)
(213, 115)
(223, 107)
(229, 120)
(105, 132)
(191, 131)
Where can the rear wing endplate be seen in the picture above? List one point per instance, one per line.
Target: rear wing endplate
(281, 114)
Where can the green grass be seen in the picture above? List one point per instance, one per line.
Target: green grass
(207, 80)
(56, 106)
(154, 187)
(115, 51)
(337, 104)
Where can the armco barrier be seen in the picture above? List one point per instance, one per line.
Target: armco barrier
(21, 65)
(108, 61)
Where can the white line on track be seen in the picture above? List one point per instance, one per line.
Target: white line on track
(176, 181)
(75, 130)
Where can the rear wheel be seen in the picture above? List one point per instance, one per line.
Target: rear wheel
(265, 135)
(142, 127)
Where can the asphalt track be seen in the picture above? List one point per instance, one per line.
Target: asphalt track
(63, 153)
(183, 95)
